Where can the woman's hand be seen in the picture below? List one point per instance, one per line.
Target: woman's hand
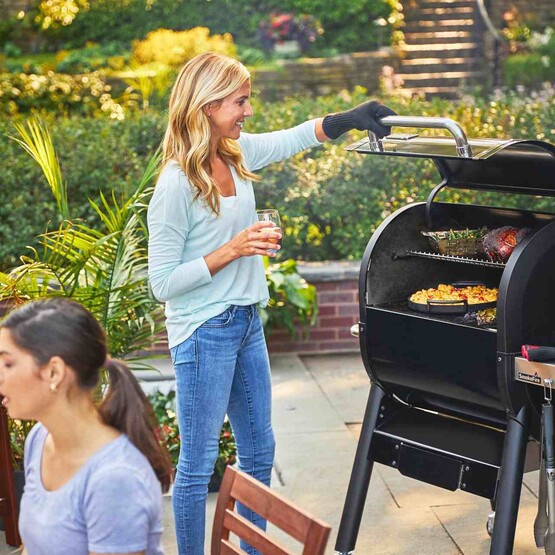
(365, 116)
(259, 238)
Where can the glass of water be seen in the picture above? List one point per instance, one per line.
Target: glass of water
(271, 215)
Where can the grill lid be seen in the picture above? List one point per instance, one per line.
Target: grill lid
(519, 166)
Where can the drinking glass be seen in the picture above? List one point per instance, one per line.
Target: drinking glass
(271, 215)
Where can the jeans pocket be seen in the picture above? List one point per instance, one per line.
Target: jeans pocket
(219, 321)
(184, 352)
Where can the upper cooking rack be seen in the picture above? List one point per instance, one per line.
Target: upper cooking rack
(450, 258)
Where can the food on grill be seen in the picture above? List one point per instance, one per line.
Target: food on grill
(457, 242)
(476, 294)
(500, 243)
(486, 317)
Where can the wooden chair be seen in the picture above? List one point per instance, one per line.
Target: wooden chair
(238, 486)
(8, 503)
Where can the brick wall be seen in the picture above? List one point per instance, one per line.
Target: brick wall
(317, 76)
(337, 293)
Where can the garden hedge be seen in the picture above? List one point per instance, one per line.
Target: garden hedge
(331, 200)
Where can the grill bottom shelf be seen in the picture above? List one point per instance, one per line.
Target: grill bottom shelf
(446, 452)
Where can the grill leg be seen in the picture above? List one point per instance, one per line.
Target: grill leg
(360, 477)
(510, 483)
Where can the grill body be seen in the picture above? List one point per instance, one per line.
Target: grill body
(444, 405)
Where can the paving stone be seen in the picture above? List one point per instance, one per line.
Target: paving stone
(344, 381)
(466, 524)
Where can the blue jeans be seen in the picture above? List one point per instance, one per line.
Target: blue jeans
(222, 368)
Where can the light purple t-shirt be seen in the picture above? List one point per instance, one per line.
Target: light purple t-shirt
(113, 504)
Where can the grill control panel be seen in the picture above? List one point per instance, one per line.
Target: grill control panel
(534, 372)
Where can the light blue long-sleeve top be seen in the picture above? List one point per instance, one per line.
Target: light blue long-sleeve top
(182, 231)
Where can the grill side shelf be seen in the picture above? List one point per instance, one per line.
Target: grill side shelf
(450, 258)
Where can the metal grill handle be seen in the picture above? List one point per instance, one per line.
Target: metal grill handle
(463, 148)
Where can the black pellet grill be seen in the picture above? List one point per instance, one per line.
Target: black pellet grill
(453, 404)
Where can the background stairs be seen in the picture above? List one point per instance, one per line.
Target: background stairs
(444, 50)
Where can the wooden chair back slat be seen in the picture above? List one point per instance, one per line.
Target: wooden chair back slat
(275, 508)
(317, 538)
(238, 486)
(227, 548)
(7, 486)
(252, 534)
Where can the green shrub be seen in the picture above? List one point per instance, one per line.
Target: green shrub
(174, 48)
(528, 70)
(93, 57)
(66, 94)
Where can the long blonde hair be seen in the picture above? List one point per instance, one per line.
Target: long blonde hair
(207, 78)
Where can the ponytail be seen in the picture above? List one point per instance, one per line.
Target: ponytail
(126, 408)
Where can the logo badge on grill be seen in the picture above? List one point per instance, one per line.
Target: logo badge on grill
(529, 378)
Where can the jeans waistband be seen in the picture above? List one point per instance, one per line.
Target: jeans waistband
(249, 309)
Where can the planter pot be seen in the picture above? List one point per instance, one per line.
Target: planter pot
(287, 49)
(215, 482)
(19, 480)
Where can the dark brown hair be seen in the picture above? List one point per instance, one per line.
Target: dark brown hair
(61, 327)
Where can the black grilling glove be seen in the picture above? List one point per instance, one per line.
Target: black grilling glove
(363, 117)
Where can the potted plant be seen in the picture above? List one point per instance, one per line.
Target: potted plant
(163, 405)
(288, 34)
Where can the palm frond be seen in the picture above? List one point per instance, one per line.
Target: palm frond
(37, 141)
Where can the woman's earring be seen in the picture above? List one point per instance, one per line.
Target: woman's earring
(54, 387)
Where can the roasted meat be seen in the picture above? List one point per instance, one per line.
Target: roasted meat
(500, 243)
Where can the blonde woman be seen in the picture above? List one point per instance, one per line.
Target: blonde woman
(205, 263)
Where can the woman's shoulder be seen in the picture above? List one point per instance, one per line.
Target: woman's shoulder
(121, 460)
(172, 178)
(34, 440)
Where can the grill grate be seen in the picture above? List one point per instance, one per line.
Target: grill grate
(452, 258)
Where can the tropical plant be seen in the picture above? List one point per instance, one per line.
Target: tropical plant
(103, 268)
(292, 299)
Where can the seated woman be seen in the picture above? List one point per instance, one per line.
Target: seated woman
(93, 476)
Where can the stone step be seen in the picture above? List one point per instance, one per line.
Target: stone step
(435, 26)
(439, 37)
(443, 92)
(422, 4)
(438, 13)
(465, 49)
(439, 79)
(432, 4)
(418, 65)
(439, 25)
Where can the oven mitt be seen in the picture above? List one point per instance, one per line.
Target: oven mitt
(364, 117)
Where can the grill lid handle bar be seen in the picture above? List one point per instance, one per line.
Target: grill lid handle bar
(463, 148)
